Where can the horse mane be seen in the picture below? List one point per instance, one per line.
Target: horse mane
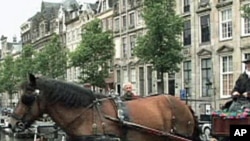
(69, 94)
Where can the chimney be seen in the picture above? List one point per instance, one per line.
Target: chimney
(14, 39)
(3, 38)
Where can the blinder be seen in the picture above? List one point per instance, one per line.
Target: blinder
(27, 99)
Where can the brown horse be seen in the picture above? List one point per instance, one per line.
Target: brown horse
(82, 114)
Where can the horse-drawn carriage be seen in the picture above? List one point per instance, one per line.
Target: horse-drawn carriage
(238, 113)
(86, 116)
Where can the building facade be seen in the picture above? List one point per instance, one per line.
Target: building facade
(76, 15)
(216, 40)
(39, 29)
(12, 48)
(105, 12)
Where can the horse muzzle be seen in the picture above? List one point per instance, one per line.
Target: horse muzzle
(18, 127)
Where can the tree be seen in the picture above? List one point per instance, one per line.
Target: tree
(246, 11)
(8, 78)
(93, 54)
(51, 61)
(25, 63)
(161, 44)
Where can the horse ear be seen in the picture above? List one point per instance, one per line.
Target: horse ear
(32, 79)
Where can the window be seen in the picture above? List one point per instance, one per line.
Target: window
(110, 23)
(125, 76)
(226, 75)
(206, 77)
(246, 55)
(139, 17)
(124, 3)
(133, 76)
(246, 24)
(118, 76)
(124, 22)
(187, 33)
(132, 45)
(141, 80)
(187, 76)
(226, 24)
(131, 20)
(186, 7)
(104, 5)
(150, 80)
(205, 28)
(116, 25)
(124, 47)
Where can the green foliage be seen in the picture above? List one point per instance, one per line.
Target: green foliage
(8, 79)
(25, 62)
(246, 11)
(161, 45)
(93, 54)
(51, 61)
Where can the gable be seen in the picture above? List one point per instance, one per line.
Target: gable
(203, 52)
(225, 49)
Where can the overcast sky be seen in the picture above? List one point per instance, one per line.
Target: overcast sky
(15, 12)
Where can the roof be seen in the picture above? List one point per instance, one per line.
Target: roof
(99, 5)
(70, 5)
(49, 10)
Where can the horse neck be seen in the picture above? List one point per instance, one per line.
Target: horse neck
(65, 117)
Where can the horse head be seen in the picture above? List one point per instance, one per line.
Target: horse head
(29, 107)
(64, 102)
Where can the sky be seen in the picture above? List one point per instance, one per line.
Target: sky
(13, 13)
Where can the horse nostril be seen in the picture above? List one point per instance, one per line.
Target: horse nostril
(9, 126)
(20, 125)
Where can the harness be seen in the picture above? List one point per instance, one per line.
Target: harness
(122, 119)
(95, 106)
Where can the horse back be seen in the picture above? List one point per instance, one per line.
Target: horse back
(162, 112)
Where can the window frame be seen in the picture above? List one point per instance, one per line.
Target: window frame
(208, 26)
(187, 69)
(229, 71)
(186, 6)
(208, 90)
(124, 47)
(227, 22)
(243, 24)
(187, 29)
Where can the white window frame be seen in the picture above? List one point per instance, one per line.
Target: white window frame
(189, 72)
(244, 56)
(139, 19)
(228, 72)
(124, 47)
(116, 24)
(209, 25)
(201, 77)
(125, 76)
(132, 37)
(228, 20)
(133, 75)
(131, 16)
(243, 24)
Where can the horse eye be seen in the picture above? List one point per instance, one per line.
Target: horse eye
(28, 99)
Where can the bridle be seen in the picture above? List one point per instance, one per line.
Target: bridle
(21, 122)
(95, 106)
